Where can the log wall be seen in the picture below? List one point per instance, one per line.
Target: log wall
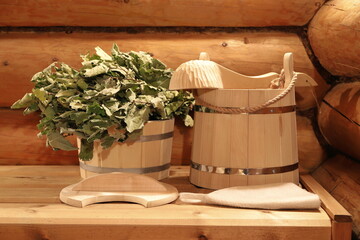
(125, 13)
(335, 39)
(250, 53)
(247, 52)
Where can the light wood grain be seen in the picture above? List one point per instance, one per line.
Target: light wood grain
(340, 176)
(332, 207)
(30, 218)
(264, 141)
(124, 187)
(339, 118)
(135, 154)
(311, 152)
(249, 53)
(334, 37)
(341, 222)
(249, 13)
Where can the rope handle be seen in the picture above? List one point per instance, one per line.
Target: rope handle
(285, 75)
(236, 110)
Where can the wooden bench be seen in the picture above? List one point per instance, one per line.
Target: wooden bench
(30, 209)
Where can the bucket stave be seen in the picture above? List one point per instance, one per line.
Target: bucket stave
(232, 149)
(150, 155)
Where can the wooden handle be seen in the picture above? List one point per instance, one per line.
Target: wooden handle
(288, 68)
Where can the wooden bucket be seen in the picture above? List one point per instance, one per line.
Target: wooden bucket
(233, 149)
(150, 155)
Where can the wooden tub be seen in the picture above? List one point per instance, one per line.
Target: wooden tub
(150, 155)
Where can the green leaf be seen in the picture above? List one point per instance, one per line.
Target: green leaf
(130, 94)
(77, 104)
(136, 119)
(79, 117)
(66, 93)
(107, 142)
(172, 107)
(188, 121)
(40, 93)
(96, 109)
(82, 84)
(32, 108)
(26, 101)
(100, 69)
(86, 150)
(102, 54)
(57, 141)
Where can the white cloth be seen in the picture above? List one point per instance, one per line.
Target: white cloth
(268, 196)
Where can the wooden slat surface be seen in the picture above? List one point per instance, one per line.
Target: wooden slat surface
(340, 176)
(20, 145)
(250, 53)
(39, 216)
(244, 13)
(331, 206)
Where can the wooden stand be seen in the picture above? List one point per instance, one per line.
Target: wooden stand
(150, 155)
(124, 187)
(30, 209)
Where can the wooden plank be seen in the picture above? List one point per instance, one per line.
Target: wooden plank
(341, 230)
(341, 220)
(20, 145)
(132, 231)
(247, 13)
(332, 207)
(38, 214)
(249, 53)
(341, 178)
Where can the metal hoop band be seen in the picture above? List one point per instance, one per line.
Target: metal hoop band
(155, 137)
(268, 110)
(244, 171)
(96, 169)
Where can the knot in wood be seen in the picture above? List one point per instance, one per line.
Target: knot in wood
(202, 237)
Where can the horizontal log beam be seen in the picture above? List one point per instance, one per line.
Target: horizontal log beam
(250, 53)
(120, 13)
(335, 39)
(19, 144)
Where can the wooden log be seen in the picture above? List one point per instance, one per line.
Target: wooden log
(334, 37)
(19, 144)
(340, 176)
(249, 53)
(247, 13)
(339, 118)
(32, 150)
(311, 152)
